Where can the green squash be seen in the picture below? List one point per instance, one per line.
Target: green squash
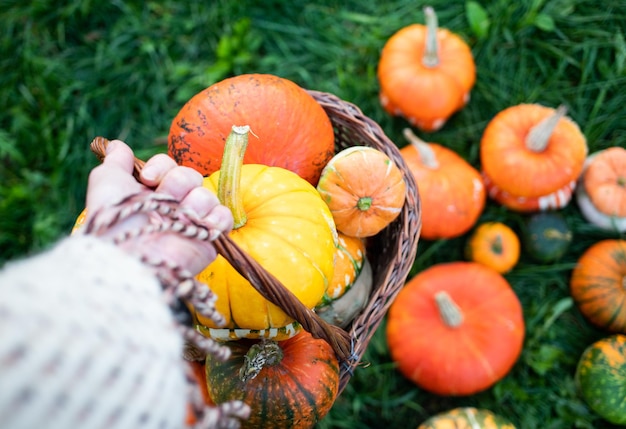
(467, 418)
(601, 378)
(546, 236)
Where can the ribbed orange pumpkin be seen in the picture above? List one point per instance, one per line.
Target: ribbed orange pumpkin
(531, 157)
(364, 190)
(452, 191)
(456, 328)
(291, 384)
(425, 73)
(601, 192)
(598, 285)
(289, 128)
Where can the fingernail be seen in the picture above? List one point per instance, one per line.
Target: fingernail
(111, 146)
(215, 220)
(149, 173)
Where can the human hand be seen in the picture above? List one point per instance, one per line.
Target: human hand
(113, 181)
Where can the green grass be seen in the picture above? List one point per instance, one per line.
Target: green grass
(123, 69)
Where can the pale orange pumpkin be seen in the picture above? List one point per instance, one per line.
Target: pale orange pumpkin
(452, 191)
(364, 189)
(531, 157)
(425, 73)
(601, 193)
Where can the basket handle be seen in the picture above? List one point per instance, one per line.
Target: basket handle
(265, 283)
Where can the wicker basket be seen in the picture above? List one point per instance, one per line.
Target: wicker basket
(391, 252)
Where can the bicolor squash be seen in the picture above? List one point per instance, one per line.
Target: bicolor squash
(531, 157)
(466, 418)
(280, 221)
(601, 378)
(601, 192)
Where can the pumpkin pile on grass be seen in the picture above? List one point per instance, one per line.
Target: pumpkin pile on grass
(304, 212)
(532, 160)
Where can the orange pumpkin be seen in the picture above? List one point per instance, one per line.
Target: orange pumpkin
(364, 190)
(601, 193)
(495, 245)
(456, 328)
(598, 285)
(531, 157)
(452, 191)
(425, 73)
(290, 129)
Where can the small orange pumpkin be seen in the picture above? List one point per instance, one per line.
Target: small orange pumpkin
(425, 73)
(531, 157)
(495, 245)
(601, 193)
(598, 285)
(452, 191)
(364, 190)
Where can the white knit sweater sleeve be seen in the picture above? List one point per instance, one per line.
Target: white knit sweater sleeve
(86, 341)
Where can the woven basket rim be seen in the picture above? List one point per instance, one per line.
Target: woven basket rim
(388, 280)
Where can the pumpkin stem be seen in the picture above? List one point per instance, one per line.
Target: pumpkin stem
(364, 203)
(497, 246)
(228, 184)
(431, 51)
(448, 310)
(266, 352)
(427, 155)
(539, 135)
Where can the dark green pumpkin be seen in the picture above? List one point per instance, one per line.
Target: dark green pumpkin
(546, 236)
(601, 377)
(287, 384)
(467, 418)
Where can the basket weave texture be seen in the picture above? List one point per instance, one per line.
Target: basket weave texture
(392, 251)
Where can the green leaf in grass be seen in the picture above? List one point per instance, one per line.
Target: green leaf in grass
(477, 18)
(544, 22)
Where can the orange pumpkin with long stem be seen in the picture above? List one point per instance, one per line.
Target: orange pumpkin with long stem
(531, 157)
(425, 73)
(452, 191)
(601, 192)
